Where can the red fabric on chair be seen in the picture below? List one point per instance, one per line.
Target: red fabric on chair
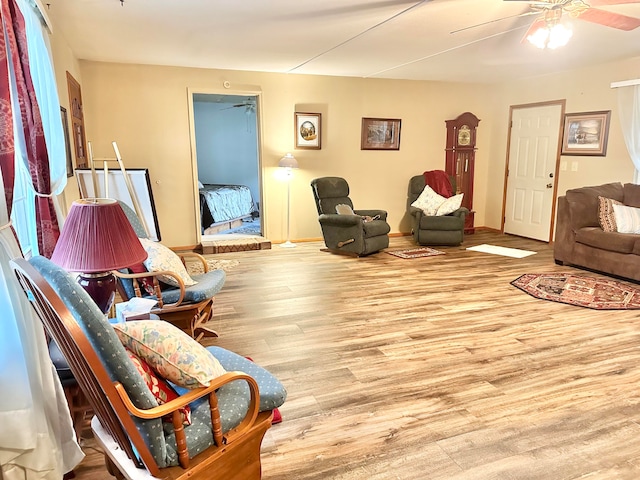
(439, 181)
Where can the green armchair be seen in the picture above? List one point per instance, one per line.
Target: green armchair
(434, 230)
(358, 233)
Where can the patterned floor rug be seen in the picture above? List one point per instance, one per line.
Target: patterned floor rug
(226, 265)
(581, 290)
(416, 252)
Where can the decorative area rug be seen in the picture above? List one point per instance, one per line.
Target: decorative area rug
(581, 290)
(233, 243)
(504, 251)
(226, 265)
(416, 252)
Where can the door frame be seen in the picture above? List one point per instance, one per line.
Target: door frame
(194, 155)
(562, 104)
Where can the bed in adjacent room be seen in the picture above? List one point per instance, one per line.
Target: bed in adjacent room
(225, 204)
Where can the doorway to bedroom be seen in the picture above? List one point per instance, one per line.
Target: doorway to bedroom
(228, 169)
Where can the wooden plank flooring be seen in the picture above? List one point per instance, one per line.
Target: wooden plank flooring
(432, 368)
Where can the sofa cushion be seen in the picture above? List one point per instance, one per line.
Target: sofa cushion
(606, 215)
(583, 203)
(375, 228)
(631, 194)
(612, 241)
(627, 219)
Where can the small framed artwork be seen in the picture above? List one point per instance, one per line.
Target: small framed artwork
(380, 134)
(586, 133)
(308, 130)
(67, 144)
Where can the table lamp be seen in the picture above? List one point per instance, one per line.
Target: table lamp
(96, 239)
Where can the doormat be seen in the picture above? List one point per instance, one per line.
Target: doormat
(504, 251)
(238, 244)
(581, 290)
(416, 252)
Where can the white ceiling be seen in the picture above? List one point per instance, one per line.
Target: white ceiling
(361, 38)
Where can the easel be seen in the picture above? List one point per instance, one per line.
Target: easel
(127, 180)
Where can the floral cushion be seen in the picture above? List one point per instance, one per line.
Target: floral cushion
(450, 205)
(627, 218)
(434, 204)
(428, 201)
(170, 352)
(160, 258)
(161, 390)
(606, 215)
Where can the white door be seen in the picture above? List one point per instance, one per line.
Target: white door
(533, 155)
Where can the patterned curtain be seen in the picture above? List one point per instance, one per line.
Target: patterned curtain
(46, 220)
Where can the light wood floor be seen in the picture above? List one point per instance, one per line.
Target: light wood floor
(434, 368)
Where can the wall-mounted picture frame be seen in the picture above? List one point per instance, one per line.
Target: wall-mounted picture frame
(380, 134)
(308, 130)
(67, 143)
(586, 133)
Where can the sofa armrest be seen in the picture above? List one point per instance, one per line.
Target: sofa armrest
(564, 239)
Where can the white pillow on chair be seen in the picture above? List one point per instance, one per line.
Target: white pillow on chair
(161, 258)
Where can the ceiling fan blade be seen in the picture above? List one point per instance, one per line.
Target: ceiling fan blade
(538, 23)
(610, 19)
(525, 14)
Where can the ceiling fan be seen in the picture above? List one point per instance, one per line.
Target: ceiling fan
(547, 30)
(249, 106)
(553, 10)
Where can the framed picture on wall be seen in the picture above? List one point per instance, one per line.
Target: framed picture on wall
(380, 134)
(586, 133)
(308, 130)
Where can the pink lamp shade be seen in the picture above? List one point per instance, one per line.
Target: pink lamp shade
(97, 237)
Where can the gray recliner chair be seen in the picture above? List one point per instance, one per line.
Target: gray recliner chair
(361, 233)
(434, 230)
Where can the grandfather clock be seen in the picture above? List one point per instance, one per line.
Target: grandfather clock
(460, 159)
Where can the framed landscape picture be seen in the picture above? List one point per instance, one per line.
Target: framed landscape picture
(586, 133)
(308, 130)
(380, 134)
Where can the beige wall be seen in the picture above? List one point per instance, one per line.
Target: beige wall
(584, 90)
(146, 110)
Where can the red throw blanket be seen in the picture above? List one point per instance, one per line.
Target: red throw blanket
(439, 181)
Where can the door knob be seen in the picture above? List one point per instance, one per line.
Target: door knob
(551, 175)
(549, 185)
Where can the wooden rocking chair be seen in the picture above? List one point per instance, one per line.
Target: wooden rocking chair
(128, 421)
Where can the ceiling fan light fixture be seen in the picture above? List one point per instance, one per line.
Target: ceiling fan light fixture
(551, 36)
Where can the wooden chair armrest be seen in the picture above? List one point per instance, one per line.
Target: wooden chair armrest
(196, 256)
(173, 406)
(156, 285)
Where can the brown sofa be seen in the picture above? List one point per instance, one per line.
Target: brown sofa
(581, 242)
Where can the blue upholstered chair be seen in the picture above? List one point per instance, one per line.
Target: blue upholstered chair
(228, 418)
(188, 307)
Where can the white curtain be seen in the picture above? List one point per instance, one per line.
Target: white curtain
(629, 108)
(37, 440)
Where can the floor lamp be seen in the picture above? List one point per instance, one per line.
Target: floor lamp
(288, 162)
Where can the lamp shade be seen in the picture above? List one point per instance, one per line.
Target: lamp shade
(97, 237)
(288, 161)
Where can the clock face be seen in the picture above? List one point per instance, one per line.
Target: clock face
(464, 135)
